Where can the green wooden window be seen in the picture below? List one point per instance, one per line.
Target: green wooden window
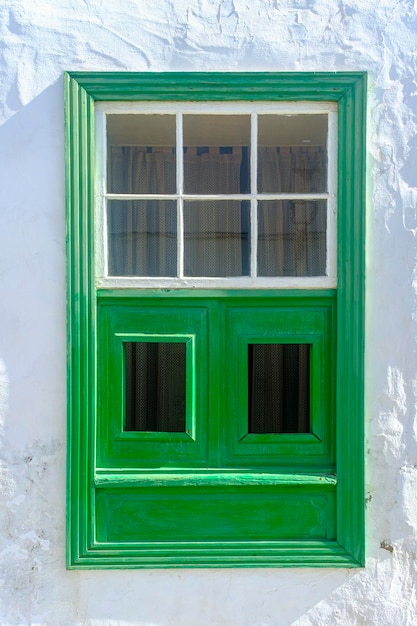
(215, 319)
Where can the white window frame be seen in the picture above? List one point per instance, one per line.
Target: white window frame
(178, 109)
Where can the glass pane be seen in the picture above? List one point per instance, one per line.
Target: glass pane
(292, 238)
(141, 154)
(279, 388)
(216, 154)
(155, 386)
(216, 238)
(292, 153)
(142, 238)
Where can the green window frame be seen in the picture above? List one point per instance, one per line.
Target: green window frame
(214, 495)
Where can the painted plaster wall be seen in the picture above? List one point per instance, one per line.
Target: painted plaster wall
(39, 39)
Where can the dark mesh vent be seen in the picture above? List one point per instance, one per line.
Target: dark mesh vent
(279, 388)
(155, 386)
(142, 237)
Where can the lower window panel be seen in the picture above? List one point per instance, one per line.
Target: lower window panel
(215, 513)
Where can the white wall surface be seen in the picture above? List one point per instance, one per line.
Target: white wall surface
(39, 39)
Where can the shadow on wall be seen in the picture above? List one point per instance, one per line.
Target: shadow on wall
(32, 262)
(33, 352)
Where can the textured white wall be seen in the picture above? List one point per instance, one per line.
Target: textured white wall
(39, 39)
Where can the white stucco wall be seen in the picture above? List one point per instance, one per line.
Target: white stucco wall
(39, 39)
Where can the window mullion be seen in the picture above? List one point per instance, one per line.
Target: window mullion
(101, 185)
(180, 191)
(331, 234)
(253, 190)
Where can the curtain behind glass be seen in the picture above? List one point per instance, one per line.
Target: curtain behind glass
(278, 388)
(292, 233)
(142, 235)
(216, 232)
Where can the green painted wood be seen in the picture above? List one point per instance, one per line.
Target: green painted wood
(210, 86)
(84, 483)
(215, 554)
(234, 321)
(186, 513)
(285, 297)
(351, 304)
(79, 117)
(266, 320)
(210, 477)
(116, 448)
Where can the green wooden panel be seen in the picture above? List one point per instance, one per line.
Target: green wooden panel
(231, 321)
(189, 514)
(270, 320)
(148, 322)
